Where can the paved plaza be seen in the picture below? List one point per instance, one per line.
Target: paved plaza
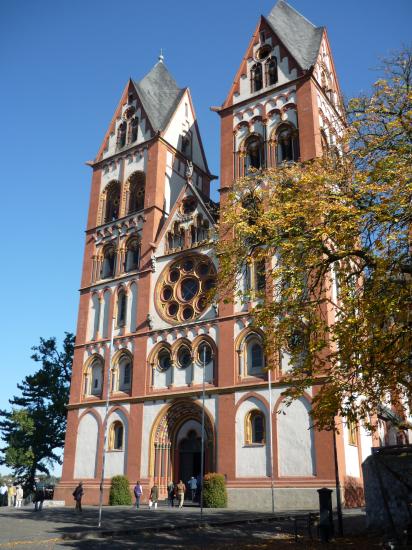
(126, 527)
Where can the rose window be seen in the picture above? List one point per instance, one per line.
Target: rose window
(183, 286)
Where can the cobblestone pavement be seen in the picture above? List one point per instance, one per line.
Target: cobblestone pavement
(146, 529)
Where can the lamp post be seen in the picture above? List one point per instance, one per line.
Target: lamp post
(109, 372)
(202, 455)
(271, 441)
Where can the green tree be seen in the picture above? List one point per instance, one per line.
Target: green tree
(335, 235)
(33, 430)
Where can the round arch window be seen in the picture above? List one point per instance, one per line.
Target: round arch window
(184, 357)
(164, 360)
(182, 287)
(204, 353)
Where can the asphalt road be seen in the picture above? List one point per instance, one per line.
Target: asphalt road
(161, 529)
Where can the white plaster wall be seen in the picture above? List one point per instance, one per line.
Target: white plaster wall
(251, 461)
(351, 455)
(132, 308)
(150, 412)
(179, 124)
(366, 442)
(116, 460)
(94, 311)
(296, 449)
(86, 448)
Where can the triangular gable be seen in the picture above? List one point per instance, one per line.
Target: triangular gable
(187, 189)
(130, 87)
(195, 128)
(263, 25)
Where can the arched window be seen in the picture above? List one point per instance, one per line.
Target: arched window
(121, 134)
(176, 237)
(287, 144)
(121, 308)
(184, 357)
(132, 258)
(254, 355)
(136, 192)
(134, 127)
(255, 428)
(254, 153)
(124, 373)
(164, 360)
(112, 202)
(204, 353)
(109, 262)
(199, 231)
(94, 383)
(256, 78)
(116, 436)
(256, 276)
(271, 69)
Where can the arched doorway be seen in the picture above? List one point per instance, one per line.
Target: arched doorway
(176, 444)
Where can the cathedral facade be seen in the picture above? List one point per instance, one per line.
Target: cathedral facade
(146, 333)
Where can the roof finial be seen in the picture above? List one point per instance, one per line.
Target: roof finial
(161, 57)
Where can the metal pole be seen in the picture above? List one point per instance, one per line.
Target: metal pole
(337, 481)
(271, 441)
(202, 456)
(109, 372)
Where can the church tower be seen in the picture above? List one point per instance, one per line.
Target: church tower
(147, 337)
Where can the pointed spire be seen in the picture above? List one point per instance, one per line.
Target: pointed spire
(161, 56)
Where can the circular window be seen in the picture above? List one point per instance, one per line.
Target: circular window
(164, 360)
(189, 288)
(174, 275)
(204, 353)
(167, 293)
(187, 313)
(180, 292)
(188, 265)
(172, 309)
(184, 357)
(203, 269)
(189, 205)
(263, 52)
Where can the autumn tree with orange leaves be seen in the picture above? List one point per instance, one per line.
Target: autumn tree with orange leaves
(335, 236)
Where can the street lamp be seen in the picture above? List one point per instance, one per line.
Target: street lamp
(109, 372)
(202, 455)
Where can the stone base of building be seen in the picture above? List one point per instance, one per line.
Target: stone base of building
(260, 499)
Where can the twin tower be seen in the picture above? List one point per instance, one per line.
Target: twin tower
(148, 264)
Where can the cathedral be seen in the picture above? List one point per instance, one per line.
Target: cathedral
(147, 337)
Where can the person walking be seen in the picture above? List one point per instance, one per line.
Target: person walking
(19, 496)
(39, 496)
(138, 491)
(193, 486)
(78, 494)
(181, 490)
(154, 497)
(171, 493)
(10, 495)
(3, 494)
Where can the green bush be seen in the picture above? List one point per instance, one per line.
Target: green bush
(120, 491)
(214, 491)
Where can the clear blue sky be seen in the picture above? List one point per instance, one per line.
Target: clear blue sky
(64, 65)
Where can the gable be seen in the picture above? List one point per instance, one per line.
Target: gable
(190, 213)
(183, 125)
(264, 39)
(129, 104)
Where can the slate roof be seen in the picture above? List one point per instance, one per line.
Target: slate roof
(298, 34)
(159, 95)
